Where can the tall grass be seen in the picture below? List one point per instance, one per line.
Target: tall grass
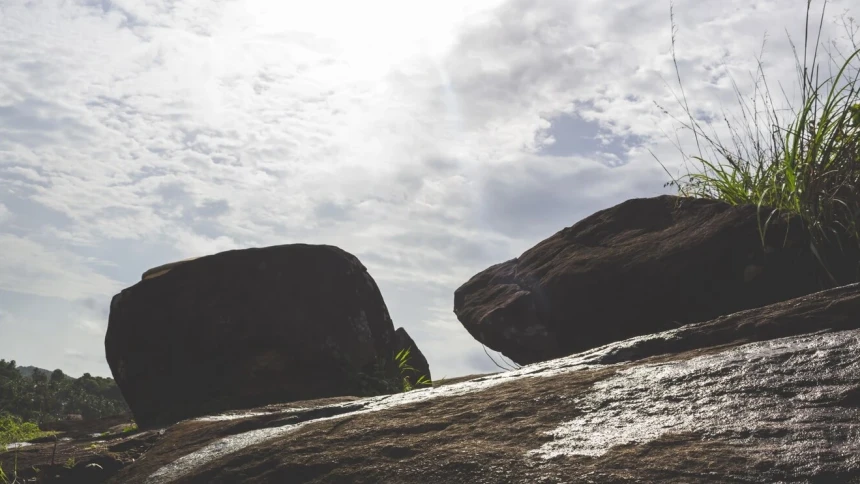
(809, 166)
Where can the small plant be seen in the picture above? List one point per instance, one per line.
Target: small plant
(130, 428)
(3, 478)
(70, 462)
(402, 359)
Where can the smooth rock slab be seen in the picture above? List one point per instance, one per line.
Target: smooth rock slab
(760, 396)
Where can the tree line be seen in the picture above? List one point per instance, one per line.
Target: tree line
(46, 397)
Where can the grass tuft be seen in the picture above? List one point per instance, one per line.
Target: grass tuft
(808, 167)
(402, 359)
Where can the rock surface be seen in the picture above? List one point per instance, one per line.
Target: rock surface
(765, 395)
(642, 266)
(89, 451)
(250, 327)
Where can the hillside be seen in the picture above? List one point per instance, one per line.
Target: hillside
(27, 371)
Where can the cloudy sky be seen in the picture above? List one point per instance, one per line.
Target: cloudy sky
(430, 139)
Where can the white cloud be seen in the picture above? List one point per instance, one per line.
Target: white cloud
(30, 268)
(430, 140)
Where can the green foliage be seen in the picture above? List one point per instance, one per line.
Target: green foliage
(38, 400)
(402, 359)
(130, 428)
(57, 376)
(809, 168)
(39, 377)
(70, 462)
(12, 430)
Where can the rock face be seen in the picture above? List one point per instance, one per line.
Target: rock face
(765, 395)
(250, 327)
(643, 266)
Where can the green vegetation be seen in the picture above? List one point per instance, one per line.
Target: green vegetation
(402, 359)
(12, 430)
(41, 399)
(809, 168)
(27, 402)
(130, 428)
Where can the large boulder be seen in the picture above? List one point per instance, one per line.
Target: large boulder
(766, 395)
(640, 267)
(250, 327)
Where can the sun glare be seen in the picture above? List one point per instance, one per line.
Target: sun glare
(372, 36)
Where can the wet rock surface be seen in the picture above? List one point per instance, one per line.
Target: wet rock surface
(764, 395)
(245, 328)
(642, 266)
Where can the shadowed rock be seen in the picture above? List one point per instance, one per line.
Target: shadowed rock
(643, 266)
(250, 327)
(759, 396)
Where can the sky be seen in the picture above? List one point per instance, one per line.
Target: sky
(429, 139)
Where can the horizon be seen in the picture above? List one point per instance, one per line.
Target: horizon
(430, 141)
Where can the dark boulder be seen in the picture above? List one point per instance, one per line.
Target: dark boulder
(642, 266)
(250, 327)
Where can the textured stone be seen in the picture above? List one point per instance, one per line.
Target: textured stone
(765, 395)
(642, 266)
(250, 327)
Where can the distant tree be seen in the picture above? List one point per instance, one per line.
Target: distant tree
(57, 376)
(8, 370)
(35, 400)
(39, 376)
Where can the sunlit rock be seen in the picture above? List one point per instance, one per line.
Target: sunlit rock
(642, 266)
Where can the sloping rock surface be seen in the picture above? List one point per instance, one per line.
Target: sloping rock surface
(250, 327)
(760, 396)
(642, 266)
